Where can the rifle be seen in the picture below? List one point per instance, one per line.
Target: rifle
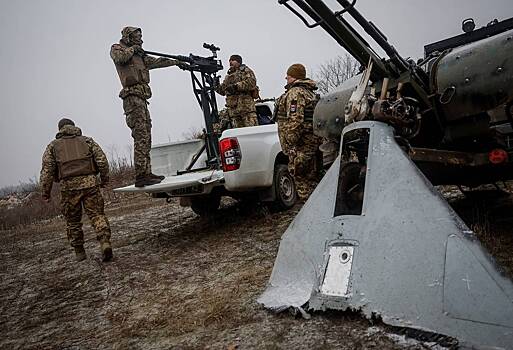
(204, 81)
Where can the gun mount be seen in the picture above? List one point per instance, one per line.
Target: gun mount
(204, 80)
(449, 100)
(375, 235)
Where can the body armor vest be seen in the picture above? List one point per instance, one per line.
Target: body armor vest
(280, 109)
(310, 107)
(73, 157)
(133, 72)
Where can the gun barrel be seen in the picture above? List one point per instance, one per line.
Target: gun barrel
(176, 57)
(344, 34)
(348, 37)
(371, 29)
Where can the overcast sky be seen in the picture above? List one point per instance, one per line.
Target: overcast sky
(55, 62)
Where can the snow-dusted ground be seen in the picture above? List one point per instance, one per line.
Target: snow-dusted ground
(177, 281)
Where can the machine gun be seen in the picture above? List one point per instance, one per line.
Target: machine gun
(204, 81)
(375, 235)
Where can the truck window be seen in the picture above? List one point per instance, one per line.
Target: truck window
(264, 115)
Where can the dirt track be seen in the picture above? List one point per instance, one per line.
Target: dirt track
(177, 281)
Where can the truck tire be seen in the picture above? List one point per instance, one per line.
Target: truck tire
(205, 206)
(284, 187)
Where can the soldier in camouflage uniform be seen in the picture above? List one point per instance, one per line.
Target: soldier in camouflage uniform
(239, 87)
(75, 161)
(223, 123)
(295, 129)
(133, 65)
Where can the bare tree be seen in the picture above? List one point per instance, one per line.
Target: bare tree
(129, 151)
(334, 72)
(193, 133)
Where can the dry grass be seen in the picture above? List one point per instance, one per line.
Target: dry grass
(33, 209)
(489, 213)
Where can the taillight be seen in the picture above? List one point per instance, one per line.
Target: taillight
(497, 156)
(230, 153)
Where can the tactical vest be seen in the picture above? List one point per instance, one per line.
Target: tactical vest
(280, 110)
(73, 157)
(133, 72)
(310, 107)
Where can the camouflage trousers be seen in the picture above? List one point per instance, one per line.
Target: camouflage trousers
(244, 120)
(305, 162)
(304, 167)
(92, 201)
(139, 121)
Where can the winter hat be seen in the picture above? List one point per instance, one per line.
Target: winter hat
(237, 58)
(297, 70)
(65, 121)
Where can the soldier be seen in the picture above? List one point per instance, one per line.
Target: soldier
(295, 129)
(75, 161)
(223, 123)
(133, 65)
(239, 87)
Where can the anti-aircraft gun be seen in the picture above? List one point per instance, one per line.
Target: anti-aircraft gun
(375, 235)
(204, 81)
(453, 107)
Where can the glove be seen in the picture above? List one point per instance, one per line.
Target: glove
(183, 65)
(138, 50)
(231, 89)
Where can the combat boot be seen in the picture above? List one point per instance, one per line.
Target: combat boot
(106, 249)
(153, 176)
(80, 253)
(146, 181)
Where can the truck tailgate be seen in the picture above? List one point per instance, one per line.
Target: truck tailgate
(205, 179)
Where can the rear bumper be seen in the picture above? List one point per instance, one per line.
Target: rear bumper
(195, 183)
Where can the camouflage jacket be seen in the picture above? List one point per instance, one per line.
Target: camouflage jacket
(122, 53)
(291, 109)
(241, 100)
(49, 171)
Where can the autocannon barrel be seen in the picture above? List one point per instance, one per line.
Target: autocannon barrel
(176, 57)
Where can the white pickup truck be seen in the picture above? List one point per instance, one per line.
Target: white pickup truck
(253, 166)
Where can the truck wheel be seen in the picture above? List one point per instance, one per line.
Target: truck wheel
(284, 187)
(205, 205)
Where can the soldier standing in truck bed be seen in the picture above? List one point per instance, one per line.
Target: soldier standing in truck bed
(133, 65)
(76, 161)
(240, 88)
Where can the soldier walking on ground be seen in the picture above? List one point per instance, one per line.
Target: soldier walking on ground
(295, 129)
(75, 161)
(240, 88)
(133, 65)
